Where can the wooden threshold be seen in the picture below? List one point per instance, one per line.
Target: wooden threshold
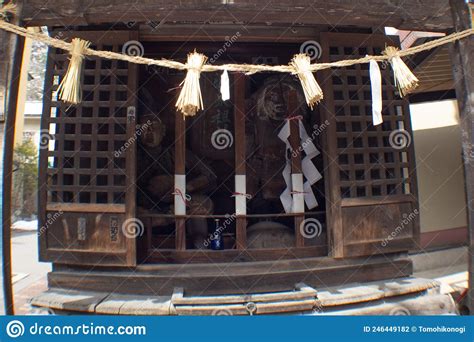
(229, 278)
(233, 255)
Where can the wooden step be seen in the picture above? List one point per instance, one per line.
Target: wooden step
(235, 278)
(405, 296)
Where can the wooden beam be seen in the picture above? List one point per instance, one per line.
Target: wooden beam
(251, 33)
(463, 69)
(295, 158)
(421, 15)
(10, 44)
(87, 207)
(180, 169)
(6, 56)
(131, 155)
(240, 170)
(22, 92)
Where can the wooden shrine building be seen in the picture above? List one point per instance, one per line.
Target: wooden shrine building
(113, 217)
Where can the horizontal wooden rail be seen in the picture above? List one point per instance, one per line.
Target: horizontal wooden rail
(309, 213)
(377, 200)
(86, 207)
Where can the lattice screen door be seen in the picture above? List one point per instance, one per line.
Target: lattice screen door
(371, 195)
(86, 177)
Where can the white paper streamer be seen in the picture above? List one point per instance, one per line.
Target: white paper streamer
(240, 198)
(180, 195)
(286, 200)
(284, 133)
(302, 193)
(287, 173)
(225, 87)
(310, 171)
(298, 193)
(307, 143)
(309, 197)
(376, 89)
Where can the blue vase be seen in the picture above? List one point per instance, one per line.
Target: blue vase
(217, 242)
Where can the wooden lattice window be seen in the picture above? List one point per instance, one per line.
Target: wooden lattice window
(371, 168)
(369, 164)
(84, 163)
(87, 156)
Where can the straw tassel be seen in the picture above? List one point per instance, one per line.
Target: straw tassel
(69, 90)
(312, 91)
(7, 11)
(404, 78)
(190, 98)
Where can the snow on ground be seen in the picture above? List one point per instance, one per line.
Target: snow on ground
(25, 225)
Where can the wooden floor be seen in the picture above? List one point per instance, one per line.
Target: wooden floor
(171, 256)
(226, 278)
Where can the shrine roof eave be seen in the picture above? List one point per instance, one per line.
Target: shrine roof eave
(433, 15)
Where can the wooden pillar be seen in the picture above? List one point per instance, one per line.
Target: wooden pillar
(240, 171)
(6, 56)
(131, 155)
(180, 177)
(463, 69)
(296, 170)
(9, 44)
(22, 92)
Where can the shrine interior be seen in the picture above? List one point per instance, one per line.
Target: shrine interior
(210, 162)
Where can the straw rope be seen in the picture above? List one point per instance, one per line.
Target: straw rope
(245, 68)
(190, 98)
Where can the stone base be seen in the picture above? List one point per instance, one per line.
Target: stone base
(403, 296)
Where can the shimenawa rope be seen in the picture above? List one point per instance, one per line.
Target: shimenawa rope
(190, 99)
